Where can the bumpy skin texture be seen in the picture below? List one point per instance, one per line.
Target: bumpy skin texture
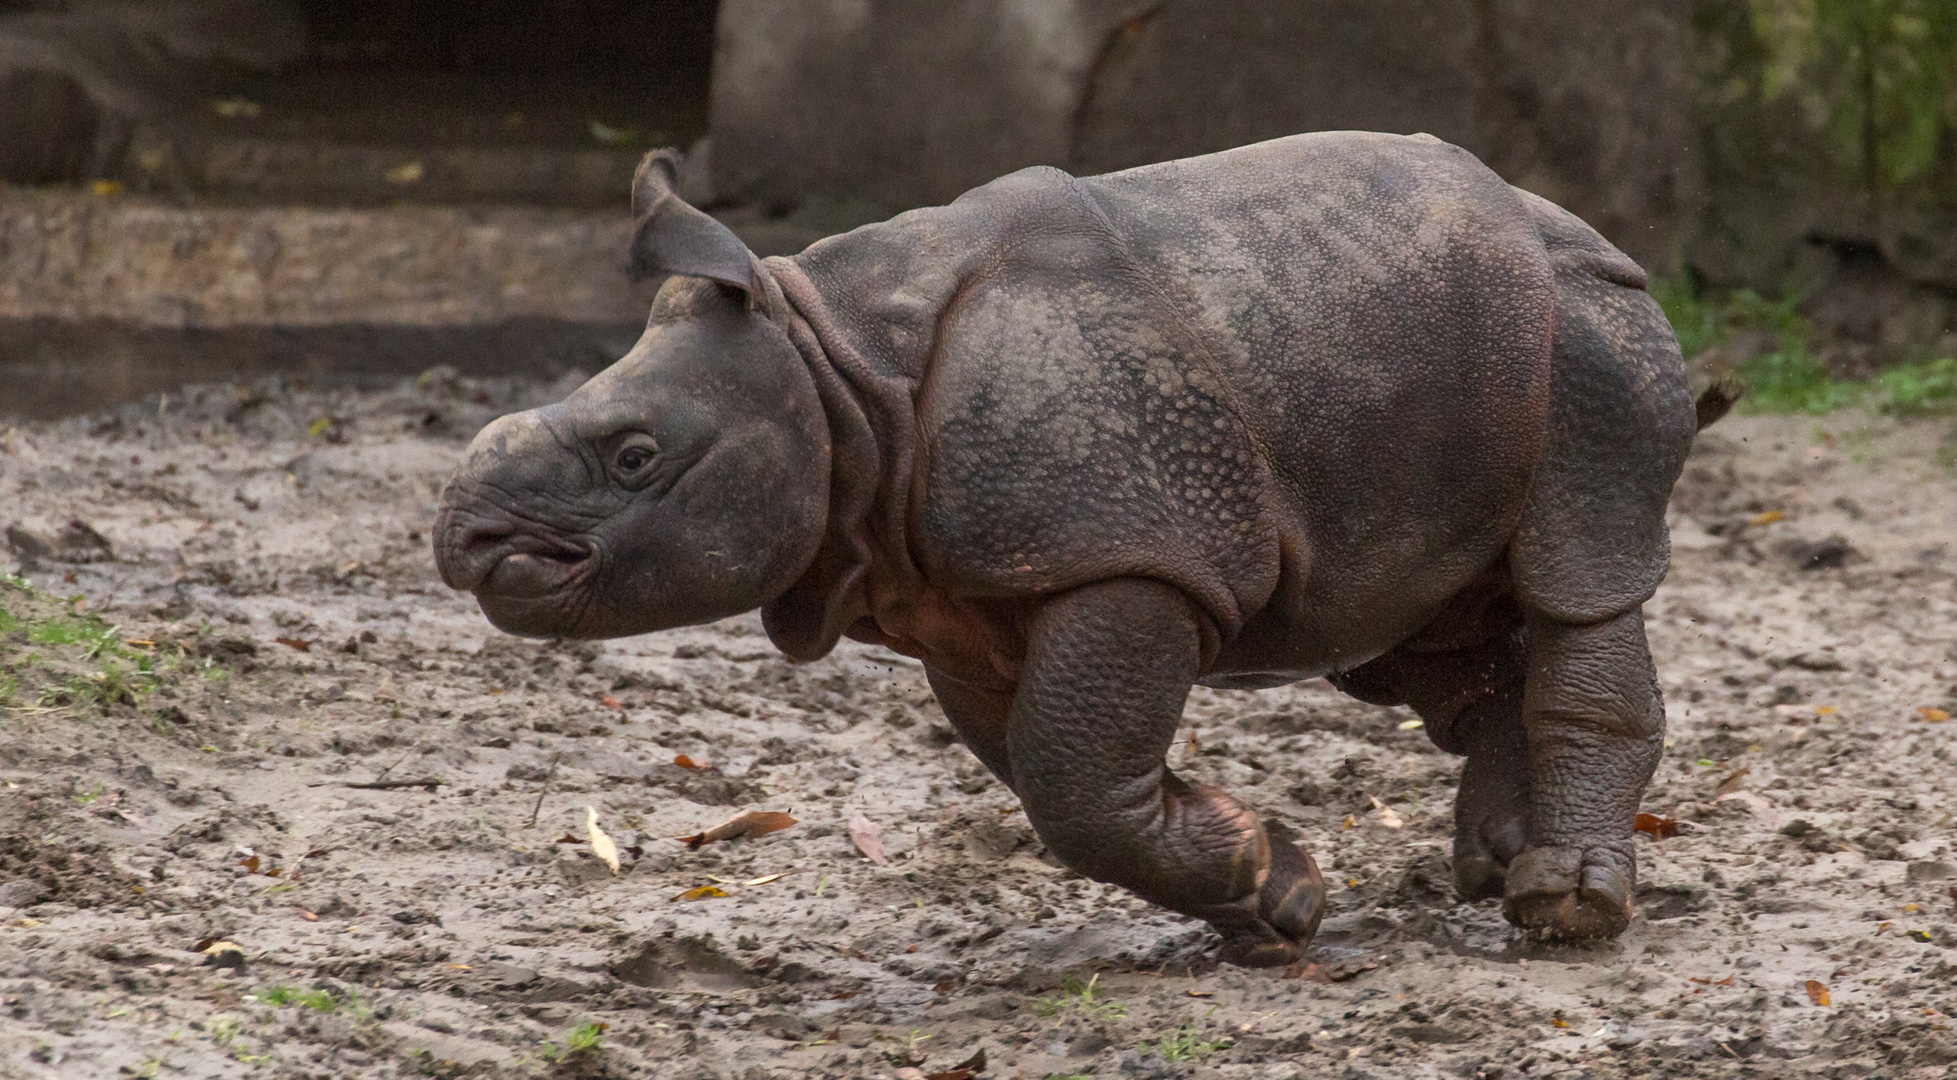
(1339, 404)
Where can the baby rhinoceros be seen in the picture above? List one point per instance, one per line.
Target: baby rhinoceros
(1340, 404)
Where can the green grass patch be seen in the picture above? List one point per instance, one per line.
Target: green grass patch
(277, 995)
(1788, 377)
(55, 657)
(585, 1039)
(317, 999)
(1085, 998)
(1926, 388)
(1184, 1045)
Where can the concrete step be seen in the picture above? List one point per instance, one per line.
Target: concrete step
(106, 298)
(276, 171)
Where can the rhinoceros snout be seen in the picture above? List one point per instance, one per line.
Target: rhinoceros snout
(490, 555)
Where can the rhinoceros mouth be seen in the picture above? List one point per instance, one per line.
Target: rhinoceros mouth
(530, 575)
(538, 589)
(501, 558)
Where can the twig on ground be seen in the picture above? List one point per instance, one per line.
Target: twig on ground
(537, 808)
(429, 782)
(397, 762)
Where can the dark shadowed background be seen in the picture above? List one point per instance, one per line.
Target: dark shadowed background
(354, 189)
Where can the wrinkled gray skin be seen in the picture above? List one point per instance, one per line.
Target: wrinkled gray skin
(1340, 404)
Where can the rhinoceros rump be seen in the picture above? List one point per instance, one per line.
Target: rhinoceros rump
(1340, 405)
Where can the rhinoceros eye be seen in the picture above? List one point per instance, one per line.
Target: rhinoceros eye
(632, 462)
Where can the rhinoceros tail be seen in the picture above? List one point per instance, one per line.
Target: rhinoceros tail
(1717, 400)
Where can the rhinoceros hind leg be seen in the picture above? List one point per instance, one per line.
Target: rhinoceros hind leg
(1590, 548)
(1596, 728)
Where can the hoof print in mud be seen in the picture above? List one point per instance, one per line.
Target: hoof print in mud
(681, 963)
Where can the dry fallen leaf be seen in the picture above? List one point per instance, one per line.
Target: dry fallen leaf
(746, 823)
(1412, 725)
(1660, 827)
(1202, 993)
(704, 892)
(869, 839)
(685, 762)
(1351, 969)
(611, 702)
(601, 844)
(1732, 782)
(1817, 993)
(764, 880)
(964, 1070)
(1933, 715)
(233, 108)
(1386, 815)
(1765, 517)
(300, 644)
(224, 954)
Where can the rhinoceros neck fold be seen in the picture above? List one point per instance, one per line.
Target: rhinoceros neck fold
(873, 443)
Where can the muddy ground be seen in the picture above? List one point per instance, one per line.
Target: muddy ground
(280, 637)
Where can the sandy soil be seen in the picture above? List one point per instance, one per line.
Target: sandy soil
(435, 930)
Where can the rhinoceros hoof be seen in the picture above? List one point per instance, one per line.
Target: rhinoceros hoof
(1274, 951)
(1478, 876)
(1289, 907)
(1568, 893)
(1482, 852)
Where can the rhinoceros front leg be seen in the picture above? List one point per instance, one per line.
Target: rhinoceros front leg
(1107, 670)
(979, 715)
(1595, 729)
(1471, 700)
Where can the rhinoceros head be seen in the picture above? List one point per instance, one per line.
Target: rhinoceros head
(685, 483)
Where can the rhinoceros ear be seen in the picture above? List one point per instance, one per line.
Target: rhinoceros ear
(674, 238)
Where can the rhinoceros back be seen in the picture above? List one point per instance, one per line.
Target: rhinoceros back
(1311, 372)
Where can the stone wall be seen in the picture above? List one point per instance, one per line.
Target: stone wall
(77, 81)
(904, 104)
